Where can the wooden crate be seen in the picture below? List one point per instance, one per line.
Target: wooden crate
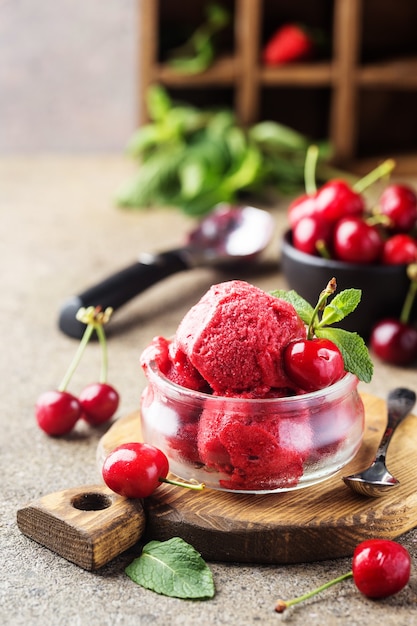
(361, 94)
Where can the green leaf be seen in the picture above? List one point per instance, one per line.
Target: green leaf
(191, 175)
(341, 305)
(198, 52)
(172, 568)
(159, 172)
(303, 308)
(158, 102)
(278, 136)
(354, 351)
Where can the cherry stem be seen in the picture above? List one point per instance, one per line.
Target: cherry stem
(377, 219)
(281, 605)
(321, 303)
(104, 355)
(310, 169)
(178, 483)
(384, 169)
(94, 318)
(411, 294)
(77, 357)
(322, 249)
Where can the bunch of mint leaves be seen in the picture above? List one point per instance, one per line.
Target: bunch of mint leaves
(320, 319)
(193, 158)
(172, 568)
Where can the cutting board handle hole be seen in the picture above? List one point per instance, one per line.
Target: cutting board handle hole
(91, 501)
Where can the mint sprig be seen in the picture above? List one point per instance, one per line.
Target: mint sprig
(319, 320)
(172, 568)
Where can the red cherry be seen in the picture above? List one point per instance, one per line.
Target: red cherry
(399, 203)
(313, 363)
(394, 341)
(135, 470)
(99, 402)
(336, 199)
(380, 567)
(303, 206)
(309, 233)
(399, 249)
(356, 241)
(57, 412)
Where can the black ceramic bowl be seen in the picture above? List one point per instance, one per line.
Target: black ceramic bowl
(384, 287)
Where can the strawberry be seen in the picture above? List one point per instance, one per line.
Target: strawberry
(289, 43)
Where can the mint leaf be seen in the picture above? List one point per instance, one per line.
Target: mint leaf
(303, 308)
(341, 305)
(172, 568)
(354, 351)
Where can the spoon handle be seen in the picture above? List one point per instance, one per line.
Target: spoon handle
(400, 402)
(121, 287)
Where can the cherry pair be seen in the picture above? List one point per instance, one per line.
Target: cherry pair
(57, 411)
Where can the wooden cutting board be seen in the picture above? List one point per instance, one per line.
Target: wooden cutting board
(316, 523)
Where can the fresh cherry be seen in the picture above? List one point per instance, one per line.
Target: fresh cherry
(312, 235)
(380, 568)
(136, 469)
(336, 199)
(399, 204)
(400, 249)
(57, 412)
(394, 341)
(99, 402)
(303, 206)
(356, 241)
(313, 364)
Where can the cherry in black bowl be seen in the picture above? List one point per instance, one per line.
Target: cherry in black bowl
(384, 287)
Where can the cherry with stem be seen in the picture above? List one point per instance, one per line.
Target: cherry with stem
(380, 568)
(314, 363)
(395, 340)
(137, 469)
(99, 401)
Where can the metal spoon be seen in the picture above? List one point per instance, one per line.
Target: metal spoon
(376, 480)
(229, 234)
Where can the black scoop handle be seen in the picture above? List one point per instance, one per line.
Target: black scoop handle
(119, 288)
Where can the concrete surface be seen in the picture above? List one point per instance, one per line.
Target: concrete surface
(61, 233)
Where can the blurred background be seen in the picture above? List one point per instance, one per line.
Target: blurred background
(68, 75)
(73, 73)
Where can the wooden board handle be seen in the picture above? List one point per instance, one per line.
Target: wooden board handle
(87, 525)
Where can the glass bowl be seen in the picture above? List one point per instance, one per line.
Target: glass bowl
(253, 445)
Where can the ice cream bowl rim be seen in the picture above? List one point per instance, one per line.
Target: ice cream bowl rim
(347, 383)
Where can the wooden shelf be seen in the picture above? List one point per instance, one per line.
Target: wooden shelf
(395, 74)
(222, 72)
(311, 74)
(367, 78)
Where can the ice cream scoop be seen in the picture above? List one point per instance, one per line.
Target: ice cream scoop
(229, 234)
